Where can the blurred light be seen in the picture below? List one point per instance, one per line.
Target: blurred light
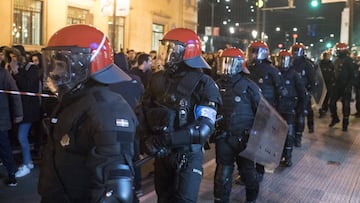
(224, 22)
(295, 29)
(321, 40)
(277, 29)
(231, 30)
(205, 38)
(260, 3)
(237, 24)
(314, 3)
(254, 34)
(332, 35)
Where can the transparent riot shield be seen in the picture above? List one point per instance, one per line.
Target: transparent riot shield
(319, 89)
(267, 136)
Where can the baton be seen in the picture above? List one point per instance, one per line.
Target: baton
(143, 161)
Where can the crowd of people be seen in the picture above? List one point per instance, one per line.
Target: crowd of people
(104, 110)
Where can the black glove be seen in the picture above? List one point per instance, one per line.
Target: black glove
(238, 142)
(157, 145)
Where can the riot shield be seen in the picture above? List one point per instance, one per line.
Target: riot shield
(267, 136)
(319, 89)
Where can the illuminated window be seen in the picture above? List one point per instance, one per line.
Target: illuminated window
(27, 26)
(78, 16)
(157, 34)
(116, 32)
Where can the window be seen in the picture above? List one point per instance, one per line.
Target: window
(157, 34)
(27, 24)
(78, 16)
(116, 32)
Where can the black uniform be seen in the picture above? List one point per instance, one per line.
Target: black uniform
(88, 157)
(268, 78)
(344, 75)
(295, 99)
(240, 97)
(327, 70)
(306, 69)
(180, 109)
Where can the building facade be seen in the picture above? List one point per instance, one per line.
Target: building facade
(138, 24)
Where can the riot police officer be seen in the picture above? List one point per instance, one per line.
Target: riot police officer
(327, 69)
(180, 107)
(295, 98)
(240, 98)
(266, 76)
(305, 67)
(344, 75)
(88, 157)
(263, 73)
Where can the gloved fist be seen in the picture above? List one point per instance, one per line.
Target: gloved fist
(238, 142)
(157, 145)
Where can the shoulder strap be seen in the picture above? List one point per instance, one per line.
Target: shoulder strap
(189, 82)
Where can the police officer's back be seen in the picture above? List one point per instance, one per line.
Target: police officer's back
(88, 157)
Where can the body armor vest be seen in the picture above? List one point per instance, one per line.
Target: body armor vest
(237, 107)
(179, 97)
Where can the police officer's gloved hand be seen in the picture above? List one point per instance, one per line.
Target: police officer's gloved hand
(238, 142)
(161, 143)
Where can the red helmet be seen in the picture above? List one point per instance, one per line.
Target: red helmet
(284, 59)
(297, 49)
(232, 61)
(341, 49)
(181, 44)
(76, 53)
(260, 48)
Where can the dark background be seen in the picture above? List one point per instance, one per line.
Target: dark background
(312, 23)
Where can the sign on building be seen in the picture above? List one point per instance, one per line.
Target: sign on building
(122, 7)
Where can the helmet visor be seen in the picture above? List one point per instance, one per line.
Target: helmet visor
(284, 62)
(171, 53)
(65, 67)
(297, 51)
(230, 65)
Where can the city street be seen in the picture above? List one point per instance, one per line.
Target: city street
(326, 169)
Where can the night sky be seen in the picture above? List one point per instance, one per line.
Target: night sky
(312, 24)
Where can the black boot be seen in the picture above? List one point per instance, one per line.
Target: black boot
(287, 160)
(345, 124)
(334, 121)
(311, 126)
(223, 183)
(297, 140)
